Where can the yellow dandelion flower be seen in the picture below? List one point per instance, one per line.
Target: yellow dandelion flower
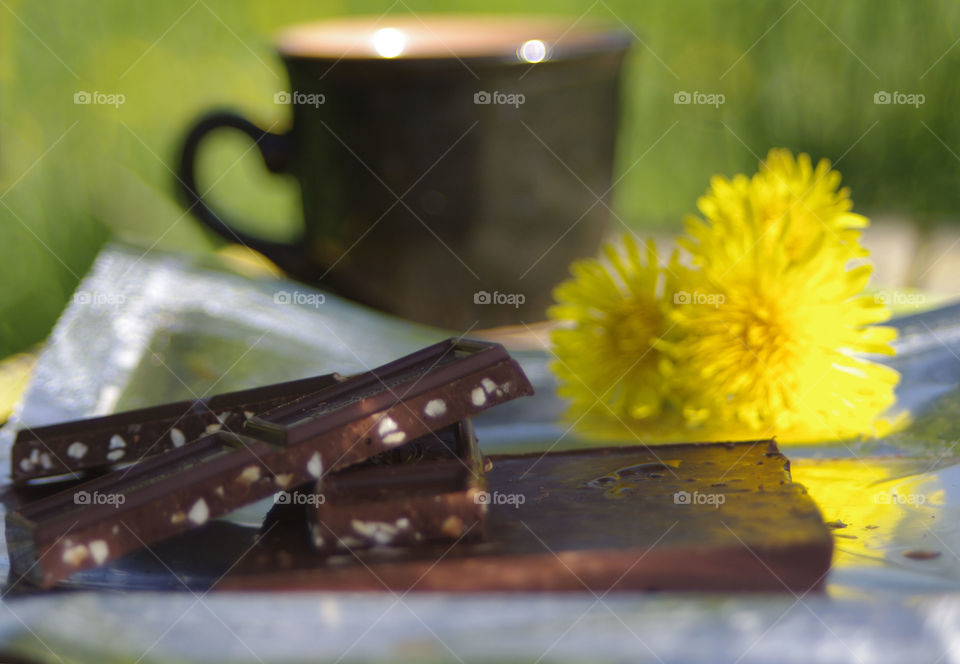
(773, 347)
(779, 352)
(785, 205)
(765, 336)
(613, 313)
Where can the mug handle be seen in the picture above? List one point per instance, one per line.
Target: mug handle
(275, 151)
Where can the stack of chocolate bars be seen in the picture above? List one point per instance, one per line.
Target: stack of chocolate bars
(382, 458)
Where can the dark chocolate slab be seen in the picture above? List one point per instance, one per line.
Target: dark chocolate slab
(169, 493)
(598, 519)
(433, 491)
(70, 447)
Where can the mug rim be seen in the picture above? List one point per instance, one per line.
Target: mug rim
(584, 37)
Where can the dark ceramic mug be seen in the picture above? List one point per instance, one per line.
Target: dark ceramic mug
(449, 166)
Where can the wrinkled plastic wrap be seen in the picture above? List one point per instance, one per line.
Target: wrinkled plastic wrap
(148, 329)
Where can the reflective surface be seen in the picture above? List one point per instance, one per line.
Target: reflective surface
(179, 331)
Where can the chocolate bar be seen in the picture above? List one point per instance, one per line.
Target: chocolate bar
(184, 488)
(433, 490)
(97, 442)
(702, 517)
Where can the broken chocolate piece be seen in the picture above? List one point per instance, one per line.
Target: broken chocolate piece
(69, 447)
(423, 392)
(435, 490)
(126, 509)
(169, 493)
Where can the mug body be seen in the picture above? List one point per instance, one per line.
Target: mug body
(454, 191)
(452, 186)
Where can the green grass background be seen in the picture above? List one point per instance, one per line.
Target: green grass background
(800, 74)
